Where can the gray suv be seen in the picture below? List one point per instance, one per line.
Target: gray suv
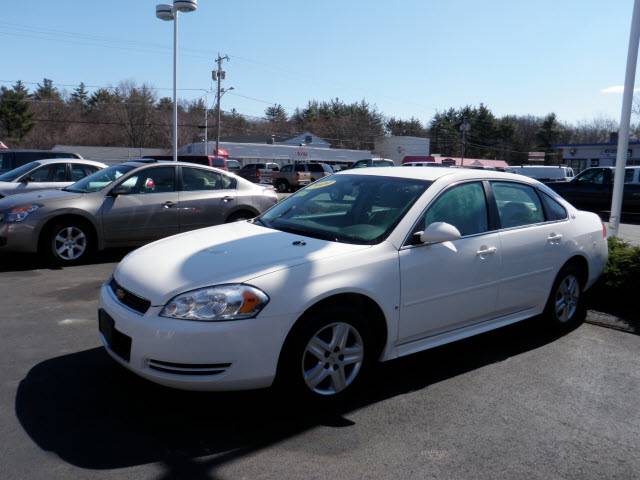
(126, 205)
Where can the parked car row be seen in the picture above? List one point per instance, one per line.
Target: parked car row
(126, 205)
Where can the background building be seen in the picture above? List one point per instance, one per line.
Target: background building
(584, 155)
(397, 148)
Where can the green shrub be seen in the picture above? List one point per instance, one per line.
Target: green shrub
(620, 282)
(623, 268)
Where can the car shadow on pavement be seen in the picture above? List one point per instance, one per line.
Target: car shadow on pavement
(94, 414)
(20, 262)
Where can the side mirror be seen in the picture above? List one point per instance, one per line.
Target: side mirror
(438, 232)
(26, 180)
(119, 190)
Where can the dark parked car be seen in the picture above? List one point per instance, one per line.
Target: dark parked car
(592, 189)
(258, 172)
(10, 159)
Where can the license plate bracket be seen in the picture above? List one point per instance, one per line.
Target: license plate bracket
(118, 342)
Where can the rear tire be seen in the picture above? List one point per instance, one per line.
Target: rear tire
(68, 242)
(283, 186)
(566, 306)
(328, 357)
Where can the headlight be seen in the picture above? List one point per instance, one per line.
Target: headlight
(217, 303)
(18, 214)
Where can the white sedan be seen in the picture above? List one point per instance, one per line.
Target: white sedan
(364, 266)
(53, 173)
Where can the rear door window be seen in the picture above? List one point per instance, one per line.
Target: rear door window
(196, 179)
(518, 204)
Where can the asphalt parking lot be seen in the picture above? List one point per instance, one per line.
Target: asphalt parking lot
(520, 402)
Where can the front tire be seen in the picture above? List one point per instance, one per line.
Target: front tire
(566, 306)
(68, 243)
(328, 357)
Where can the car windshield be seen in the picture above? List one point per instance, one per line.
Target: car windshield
(360, 209)
(16, 173)
(99, 180)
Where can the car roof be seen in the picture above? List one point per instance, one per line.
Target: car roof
(433, 174)
(148, 161)
(47, 161)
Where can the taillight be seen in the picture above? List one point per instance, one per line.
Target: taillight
(258, 173)
(604, 230)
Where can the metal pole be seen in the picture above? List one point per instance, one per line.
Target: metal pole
(625, 119)
(175, 95)
(464, 141)
(219, 60)
(206, 133)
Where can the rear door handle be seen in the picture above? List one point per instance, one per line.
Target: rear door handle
(169, 204)
(227, 199)
(486, 251)
(554, 238)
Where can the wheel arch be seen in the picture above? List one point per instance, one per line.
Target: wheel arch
(582, 264)
(48, 224)
(371, 308)
(242, 209)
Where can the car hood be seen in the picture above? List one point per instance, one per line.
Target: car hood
(38, 196)
(230, 253)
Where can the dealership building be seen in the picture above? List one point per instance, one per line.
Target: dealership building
(584, 155)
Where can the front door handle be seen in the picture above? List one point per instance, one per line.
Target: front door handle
(554, 238)
(227, 199)
(486, 251)
(169, 204)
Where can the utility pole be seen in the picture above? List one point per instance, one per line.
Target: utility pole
(625, 119)
(464, 128)
(219, 75)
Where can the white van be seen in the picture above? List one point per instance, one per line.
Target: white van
(544, 173)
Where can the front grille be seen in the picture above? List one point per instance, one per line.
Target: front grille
(188, 368)
(129, 299)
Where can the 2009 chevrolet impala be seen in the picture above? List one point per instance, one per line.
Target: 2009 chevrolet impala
(363, 266)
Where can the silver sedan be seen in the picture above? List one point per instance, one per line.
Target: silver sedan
(126, 205)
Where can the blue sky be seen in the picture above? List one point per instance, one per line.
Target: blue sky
(408, 57)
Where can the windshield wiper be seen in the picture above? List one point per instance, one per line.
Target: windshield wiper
(259, 221)
(330, 236)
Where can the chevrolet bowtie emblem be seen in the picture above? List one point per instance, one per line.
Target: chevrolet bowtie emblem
(120, 293)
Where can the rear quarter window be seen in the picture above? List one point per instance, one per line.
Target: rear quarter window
(553, 209)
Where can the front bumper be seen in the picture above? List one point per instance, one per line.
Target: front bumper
(18, 237)
(233, 355)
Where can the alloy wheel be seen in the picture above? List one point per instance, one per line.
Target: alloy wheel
(69, 243)
(567, 297)
(332, 358)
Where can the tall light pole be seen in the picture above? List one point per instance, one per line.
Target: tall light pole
(165, 11)
(625, 119)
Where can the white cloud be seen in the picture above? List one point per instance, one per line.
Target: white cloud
(615, 89)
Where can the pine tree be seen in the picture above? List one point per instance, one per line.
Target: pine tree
(276, 113)
(46, 91)
(80, 96)
(15, 117)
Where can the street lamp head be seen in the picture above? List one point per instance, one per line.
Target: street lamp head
(185, 6)
(164, 11)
